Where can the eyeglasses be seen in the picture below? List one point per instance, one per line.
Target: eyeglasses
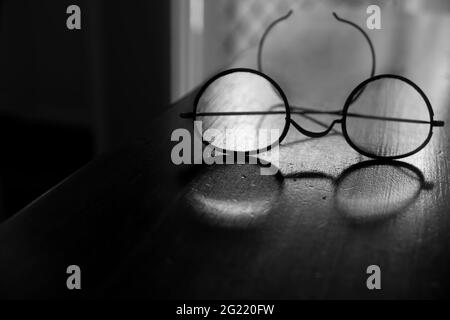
(385, 117)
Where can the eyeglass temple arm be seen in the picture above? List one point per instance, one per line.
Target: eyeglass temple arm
(266, 33)
(372, 50)
(304, 111)
(190, 115)
(366, 36)
(286, 16)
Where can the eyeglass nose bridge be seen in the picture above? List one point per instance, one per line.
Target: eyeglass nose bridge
(315, 134)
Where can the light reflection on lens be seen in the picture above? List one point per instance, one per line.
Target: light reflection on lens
(239, 92)
(388, 98)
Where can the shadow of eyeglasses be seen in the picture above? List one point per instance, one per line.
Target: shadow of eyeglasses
(373, 190)
(236, 196)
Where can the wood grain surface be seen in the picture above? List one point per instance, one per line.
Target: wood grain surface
(139, 226)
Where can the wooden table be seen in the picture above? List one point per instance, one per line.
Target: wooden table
(139, 226)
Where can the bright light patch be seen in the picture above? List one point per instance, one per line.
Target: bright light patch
(196, 18)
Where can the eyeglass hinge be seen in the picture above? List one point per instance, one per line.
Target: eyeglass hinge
(438, 123)
(187, 115)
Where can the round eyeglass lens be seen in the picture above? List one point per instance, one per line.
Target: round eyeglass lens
(390, 118)
(241, 111)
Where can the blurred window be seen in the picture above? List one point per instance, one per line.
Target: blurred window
(209, 35)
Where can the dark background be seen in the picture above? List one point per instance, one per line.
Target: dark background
(66, 95)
